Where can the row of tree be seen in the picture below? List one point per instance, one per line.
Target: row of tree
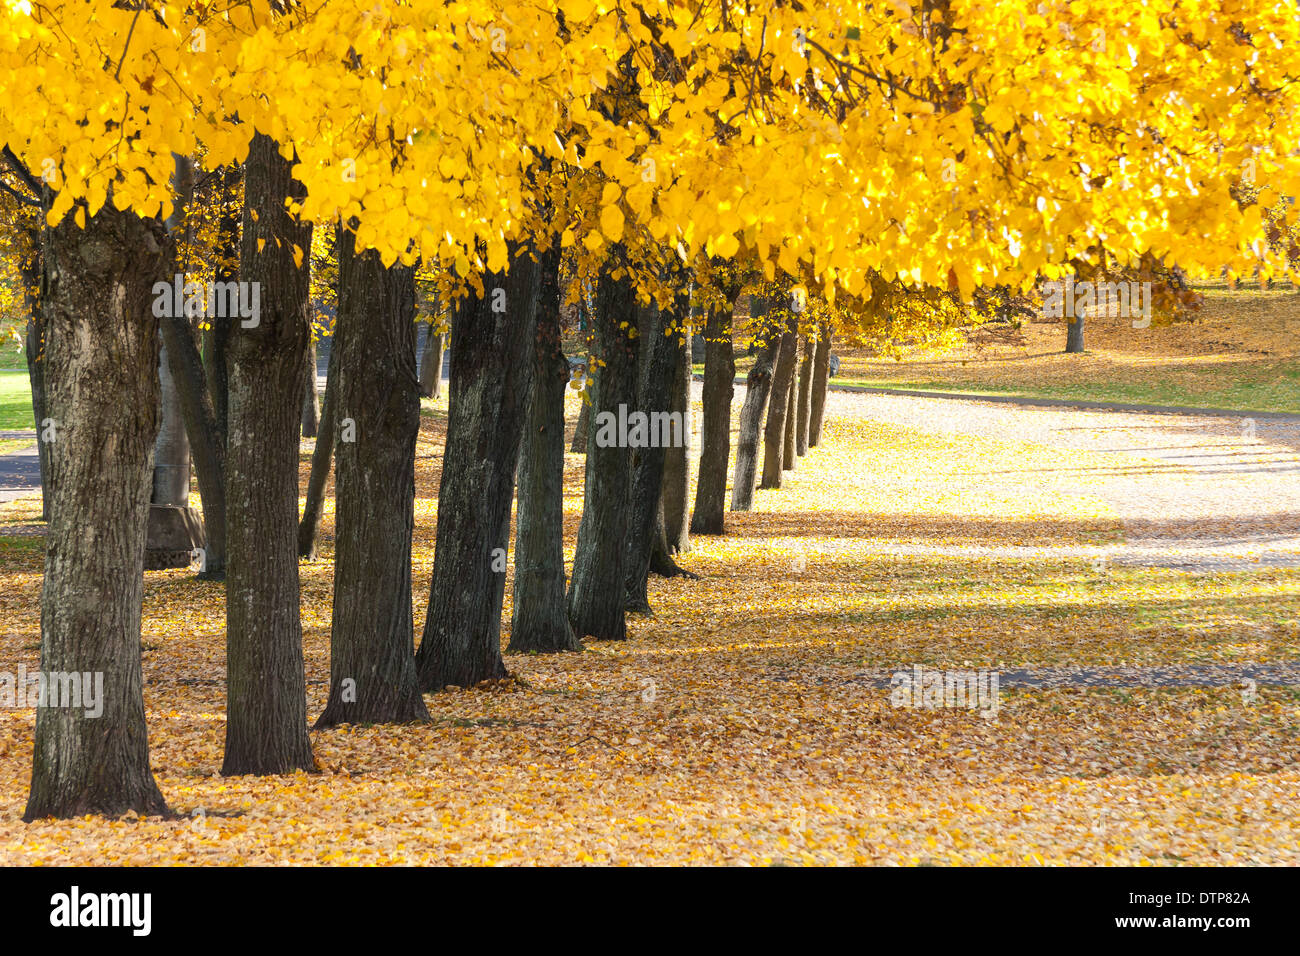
(851, 150)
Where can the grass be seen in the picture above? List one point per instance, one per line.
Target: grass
(15, 400)
(1241, 352)
(1260, 387)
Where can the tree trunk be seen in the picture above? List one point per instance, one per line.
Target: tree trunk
(774, 434)
(821, 382)
(580, 430)
(102, 380)
(645, 506)
(217, 335)
(540, 621)
(715, 438)
(34, 346)
(266, 711)
(208, 450)
(803, 416)
(310, 400)
(321, 457)
(431, 363)
(596, 592)
(372, 633)
(1074, 335)
(677, 459)
(491, 368)
(791, 414)
(758, 385)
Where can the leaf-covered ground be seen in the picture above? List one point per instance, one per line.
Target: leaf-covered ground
(744, 722)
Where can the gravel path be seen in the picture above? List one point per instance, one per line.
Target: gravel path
(1201, 493)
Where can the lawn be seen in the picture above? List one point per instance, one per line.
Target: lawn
(15, 401)
(1242, 352)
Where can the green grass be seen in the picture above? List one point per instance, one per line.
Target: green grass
(15, 400)
(1260, 387)
(1246, 387)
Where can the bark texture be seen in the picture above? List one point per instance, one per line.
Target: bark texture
(491, 368)
(580, 430)
(803, 405)
(677, 459)
(715, 434)
(102, 393)
(310, 399)
(645, 506)
(431, 363)
(774, 433)
(372, 632)
(821, 382)
(34, 347)
(791, 413)
(540, 621)
(266, 712)
(322, 456)
(596, 592)
(1074, 335)
(758, 385)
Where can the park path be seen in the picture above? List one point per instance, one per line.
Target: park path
(1197, 492)
(20, 470)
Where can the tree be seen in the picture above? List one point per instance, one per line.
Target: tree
(266, 716)
(540, 621)
(322, 456)
(677, 458)
(372, 634)
(715, 438)
(662, 349)
(821, 382)
(492, 335)
(778, 408)
(98, 296)
(596, 590)
(758, 385)
(803, 403)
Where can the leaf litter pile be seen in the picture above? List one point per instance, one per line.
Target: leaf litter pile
(742, 724)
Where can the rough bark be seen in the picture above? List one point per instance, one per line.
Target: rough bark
(803, 415)
(774, 433)
(596, 592)
(580, 429)
(791, 415)
(205, 443)
(645, 506)
(431, 363)
(715, 436)
(1074, 335)
(102, 393)
(758, 385)
(677, 459)
(491, 370)
(321, 458)
(34, 347)
(310, 399)
(266, 711)
(372, 633)
(540, 621)
(821, 382)
(217, 335)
